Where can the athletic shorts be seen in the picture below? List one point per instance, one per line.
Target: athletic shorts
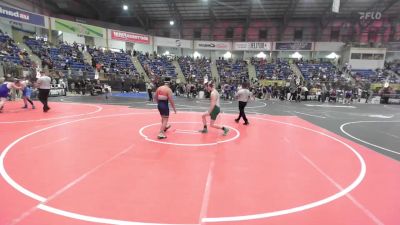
(24, 91)
(27, 92)
(214, 113)
(3, 93)
(163, 108)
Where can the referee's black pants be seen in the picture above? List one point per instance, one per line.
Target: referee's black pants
(150, 95)
(242, 105)
(43, 96)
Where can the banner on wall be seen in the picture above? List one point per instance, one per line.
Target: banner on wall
(130, 37)
(375, 86)
(252, 46)
(21, 16)
(212, 45)
(171, 42)
(293, 46)
(272, 82)
(78, 28)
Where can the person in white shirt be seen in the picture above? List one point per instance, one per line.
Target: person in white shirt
(243, 96)
(359, 93)
(43, 84)
(149, 87)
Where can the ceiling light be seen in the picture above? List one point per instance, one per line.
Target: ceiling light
(261, 55)
(228, 55)
(196, 55)
(171, 22)
(332, 56)
(125, 7)
(297, 55)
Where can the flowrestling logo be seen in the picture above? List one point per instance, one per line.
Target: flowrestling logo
(130, 37)
(370, 15)
(21, 16)
(366, 18)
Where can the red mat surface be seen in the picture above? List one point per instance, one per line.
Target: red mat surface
(94, 164)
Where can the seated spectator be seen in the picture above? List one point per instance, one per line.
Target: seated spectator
(10, 52)
(232, 70)
(64, 57)
(157, 66)
(195, 69)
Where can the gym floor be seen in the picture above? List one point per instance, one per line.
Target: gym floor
(95, 161)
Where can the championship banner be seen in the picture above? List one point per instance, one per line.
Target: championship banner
(213, 45)
(21, 16)
(130, 37)
(252, 46)
(293, 46)
(171, 42)
(78, 28)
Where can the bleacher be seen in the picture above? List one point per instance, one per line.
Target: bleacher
(63, 58)
(272, 71)
(396, 68)
(157, 67)
(377, 76)
(119, 63)
(199, 68)
(391, 72)
(232, 70)
(321, 71)
(365, 75)
(10, 52)
(37, 46)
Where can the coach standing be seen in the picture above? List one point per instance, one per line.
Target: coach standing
(43, 85)
(243, 96)
(149, 87)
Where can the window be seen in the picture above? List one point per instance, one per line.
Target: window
(372, 36)
(166, 33)
(229, 32)
(334, 35)
(368, 56)
(378, 56)
(197, 33)
(262, 34)
(355, 55)
(298, 35)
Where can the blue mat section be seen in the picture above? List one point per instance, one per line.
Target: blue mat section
(142, 95)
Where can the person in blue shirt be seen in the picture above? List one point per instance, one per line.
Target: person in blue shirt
(5, 89)
(26, 95)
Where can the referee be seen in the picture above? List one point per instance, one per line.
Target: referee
(43, 85)
(243, 95)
